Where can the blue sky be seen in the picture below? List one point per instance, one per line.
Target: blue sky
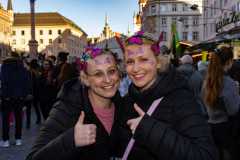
(88, 14)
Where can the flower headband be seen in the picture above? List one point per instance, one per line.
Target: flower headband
(90, 53)
(140, 38)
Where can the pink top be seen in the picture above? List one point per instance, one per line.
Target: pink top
(106, 116)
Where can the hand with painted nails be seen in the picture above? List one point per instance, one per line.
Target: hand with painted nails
(133, 123)
(84, 134)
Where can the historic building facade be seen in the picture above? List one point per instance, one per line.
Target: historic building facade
(217, 11)
(108, 39)
(54, 33)
(6, 21)
(156, 16)
(222, 21)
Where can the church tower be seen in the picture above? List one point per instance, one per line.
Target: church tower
(107, 32)
(10, 9)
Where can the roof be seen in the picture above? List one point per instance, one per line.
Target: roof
(44, 19)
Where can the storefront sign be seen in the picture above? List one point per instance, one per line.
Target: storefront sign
(233, 18)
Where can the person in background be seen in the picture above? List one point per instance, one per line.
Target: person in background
(47, 90)
(234, 72)
(221, 97)
(16, 86)
(61, 60)
(53, 59)
(192, 75)
(34, 71)
(124, 84)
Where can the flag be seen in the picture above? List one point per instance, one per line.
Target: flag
(176, 48)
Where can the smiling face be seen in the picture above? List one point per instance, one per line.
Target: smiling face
(141, 65)
(102, 76)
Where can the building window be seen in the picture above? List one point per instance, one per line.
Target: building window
(215, 10)
(195, 21)
(50, 41)
(59, 40)
(153, 9)
(41, 41)
(185, 7)
(221, 3)
(211, 10)
(195, 36)
(14, 42)
(174, 20)
(50, 32)
(185, 20)
(22, 41)
(174, 7)
(22, 33)
(14, 33)
(163, 8)
(59, 31)
(212, 27)
(185, 36)
(164, 21)
(41, 32)
(164, 36)
(238, 7)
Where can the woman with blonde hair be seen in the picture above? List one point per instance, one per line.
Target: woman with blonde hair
(160, 119)
(220, 94)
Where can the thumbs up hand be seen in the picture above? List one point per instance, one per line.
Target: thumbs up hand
(84, 134)
(133, 123)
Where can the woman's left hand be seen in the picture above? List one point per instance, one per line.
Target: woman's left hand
(133, 123)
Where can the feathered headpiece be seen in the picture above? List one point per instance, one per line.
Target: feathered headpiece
(90, 53)
(141, 38)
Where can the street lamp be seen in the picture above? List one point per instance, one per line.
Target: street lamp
(33, 44)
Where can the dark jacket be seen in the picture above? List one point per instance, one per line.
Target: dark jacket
(56, 137)
(176, 130)
(193, 76)
(15, 79)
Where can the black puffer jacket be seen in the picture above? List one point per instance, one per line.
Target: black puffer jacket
(56, 137)
(177, 130)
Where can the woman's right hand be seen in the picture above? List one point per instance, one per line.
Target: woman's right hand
(84, 134)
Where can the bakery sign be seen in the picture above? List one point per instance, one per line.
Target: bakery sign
(232, 18)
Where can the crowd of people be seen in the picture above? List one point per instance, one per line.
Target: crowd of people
(168, 112)
(27, 84)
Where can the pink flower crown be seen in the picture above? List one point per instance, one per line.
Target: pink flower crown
(90, 53)
(140, 38)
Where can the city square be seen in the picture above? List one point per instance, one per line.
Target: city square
(127, 79)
